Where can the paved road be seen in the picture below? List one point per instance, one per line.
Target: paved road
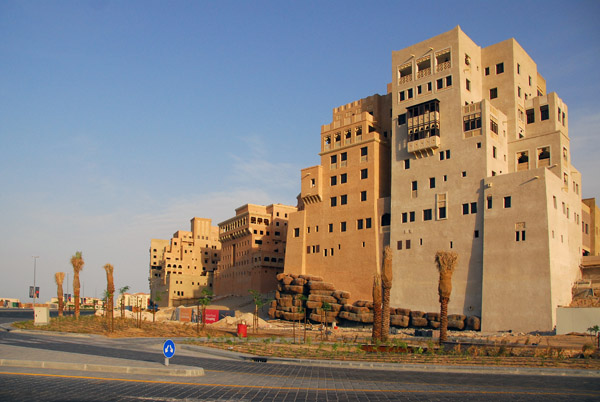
(228, 378)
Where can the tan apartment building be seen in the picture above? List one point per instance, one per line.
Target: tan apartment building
(343, 216)
(481, 165)
(253, 249)
(180, 268)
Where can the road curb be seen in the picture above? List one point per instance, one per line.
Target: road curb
(179, 372)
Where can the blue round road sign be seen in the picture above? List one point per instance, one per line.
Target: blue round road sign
(169, 348)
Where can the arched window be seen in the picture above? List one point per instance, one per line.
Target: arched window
(385, 219)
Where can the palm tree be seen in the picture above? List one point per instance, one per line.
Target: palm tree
(376, 307)
(122, 292)
(203, 301)
(77, 263)
(59, 277)
(259, 303)
(110, 290)
(157, 299)
(446, 263)
(386, 281)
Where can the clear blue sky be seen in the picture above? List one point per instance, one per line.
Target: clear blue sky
(121, 120)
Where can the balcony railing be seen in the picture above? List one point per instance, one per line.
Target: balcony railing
(424, 73)
(443, 66)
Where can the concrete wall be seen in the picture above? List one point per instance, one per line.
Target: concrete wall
(576, 319)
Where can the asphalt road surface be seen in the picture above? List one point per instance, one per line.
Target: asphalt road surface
(231, 379)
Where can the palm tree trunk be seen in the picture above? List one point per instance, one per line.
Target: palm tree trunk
(376, 336)
(59, 278)
(385, 315)
(444, 319)
(76, 286)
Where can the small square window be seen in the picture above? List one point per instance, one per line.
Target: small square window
(333, 201)
(440, 83)
(404, 217)
(464, 173)
(333, 180)
(476, 234)
(419, 89)
(331, 228)
(343, 199)
(368, 223)
(410, 93)
(427, 214)
(473, 207)
(401, 119)
(465, 209)
(507, 202)
(493, 93)
(333, 159)
(479, 145)
(343, 226)
(399, 245)
(344, 178)
(408, 244)
(359, 224)
(363, 195)
(489, 203)
(468, 85)
(442, 213)
(429, 86)
(432, 182)
(406, 163)
(364, 173)
(499, 68)
(344, 156)
(364, 151)
(412, 216)
(449, 81)
(296, 232)
(402, 96)
(487, 71)
(447, 154)
(544, 112)
(445, 177)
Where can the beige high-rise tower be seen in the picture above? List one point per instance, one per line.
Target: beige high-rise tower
(481, 165)
(343, 217)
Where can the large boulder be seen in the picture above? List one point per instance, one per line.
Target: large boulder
(456, 324)
(317, 285)
(399, 321)
(419, 322)
(417, 314)
(473, 323)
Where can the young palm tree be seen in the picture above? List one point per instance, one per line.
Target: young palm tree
(376, 307)
(386, 281)
(110, 290)
(203, 301)
(446, 263)
(77, 263)
(122, 292)
(59, 277)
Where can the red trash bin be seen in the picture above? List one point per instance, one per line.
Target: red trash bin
(242, 330)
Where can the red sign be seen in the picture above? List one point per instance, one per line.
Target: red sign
(185, 314)
(212, 316)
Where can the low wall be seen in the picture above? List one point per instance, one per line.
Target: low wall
(576, 319)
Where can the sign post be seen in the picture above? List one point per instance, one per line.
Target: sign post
(168, 350)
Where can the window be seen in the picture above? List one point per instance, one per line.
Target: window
(520, 235)
(368, 223)
(465, 208)
(447, 154)
(449, 81)
(499, 68)
(363, 195)
(343, 199)
(414, 185)
(401, 119)
(468, 85)
(487, 71)
(399, 245)
(493, 93)
(427, 214)
(507, 202)
(343, 226)
(402, 96)
(494, 126)
(473, 207)
(530, 116)
(519, 92)
(331, 228)
(333, 201)
(464, 173)
(408, 244)
(476, 234)
(530, 80)
(419, 89)
(442, 156)
(494, 152)
(344, 178)
(410, 93)
(442, 213)
(406, 163)
(364, 173)
(404, 217)
(333, 180)
(489, 203)
(472, 122)
(429, 86)
(518, 68)
(385, 219)
(544, 112)
(412, 216)
(359, 224)
(432, 182)
(364, 151)
(344, 156)
(440, 83)
(296, 232)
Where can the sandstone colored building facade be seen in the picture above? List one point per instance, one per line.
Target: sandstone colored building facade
(343, 217)
(479, 163)
(180, 268)
(253, 249)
